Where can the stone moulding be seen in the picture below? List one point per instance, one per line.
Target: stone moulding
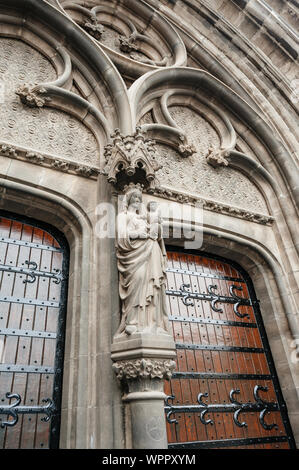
(48, 161)
(213, 206)
(144, 368)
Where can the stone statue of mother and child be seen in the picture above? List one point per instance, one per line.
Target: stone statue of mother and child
(141, 260)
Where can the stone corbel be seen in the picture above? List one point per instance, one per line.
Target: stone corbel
(217, 157)
(35, 97)
(39, 95)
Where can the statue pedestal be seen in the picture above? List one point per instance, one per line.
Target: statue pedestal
(141, 363)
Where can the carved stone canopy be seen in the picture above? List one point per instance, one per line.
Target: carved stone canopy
(131, 159)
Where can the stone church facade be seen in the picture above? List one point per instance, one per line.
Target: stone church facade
(196, 101)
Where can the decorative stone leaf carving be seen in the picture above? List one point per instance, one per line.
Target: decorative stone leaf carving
(217, 158)
(127, 44)
(144, 368)
(141, 34)
(32, 96)
(94, 28)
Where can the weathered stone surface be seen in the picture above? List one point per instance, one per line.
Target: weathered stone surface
(38, 128)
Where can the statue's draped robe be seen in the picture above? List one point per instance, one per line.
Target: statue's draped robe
(142, 278)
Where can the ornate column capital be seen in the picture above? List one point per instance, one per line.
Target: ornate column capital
(145, 368)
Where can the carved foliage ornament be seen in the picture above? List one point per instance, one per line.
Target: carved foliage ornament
(32, 96)
(127, 154)
(217, 158)
(144, 369)
(94, 28)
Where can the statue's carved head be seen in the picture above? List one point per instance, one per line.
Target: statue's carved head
(133, 195)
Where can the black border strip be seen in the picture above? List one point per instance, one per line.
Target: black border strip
(61, 324)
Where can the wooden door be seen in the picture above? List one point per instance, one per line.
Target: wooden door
(224, 392)
(33, 272)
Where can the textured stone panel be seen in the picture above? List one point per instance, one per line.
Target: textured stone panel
(195, 175)
(42, 129)
(110, 39)
(147, 118)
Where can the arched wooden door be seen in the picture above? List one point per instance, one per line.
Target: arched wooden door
(224, 392)
(33, 284)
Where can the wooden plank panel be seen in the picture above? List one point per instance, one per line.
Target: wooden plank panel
(206, 361)
(31, 431)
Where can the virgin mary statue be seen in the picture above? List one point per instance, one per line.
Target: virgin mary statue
(141, 260)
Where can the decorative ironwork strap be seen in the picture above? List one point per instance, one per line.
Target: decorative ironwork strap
(23, 300)
(215, 375)
(28, 333)
(234, 406)
(213, 297)
(26, 369)
(212, 347)
(209, 321)
(208, 275)
(30, 244)
(32, 272)
(14, 409)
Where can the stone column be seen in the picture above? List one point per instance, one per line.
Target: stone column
(143, 348)
(141, 364)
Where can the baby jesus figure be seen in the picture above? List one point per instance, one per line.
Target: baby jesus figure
(154, 221)
(155, 227)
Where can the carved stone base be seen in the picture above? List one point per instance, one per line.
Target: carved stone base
(141, 363)
(140, 345)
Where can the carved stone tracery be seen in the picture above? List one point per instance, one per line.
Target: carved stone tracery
(122, 31)
(27, 122)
